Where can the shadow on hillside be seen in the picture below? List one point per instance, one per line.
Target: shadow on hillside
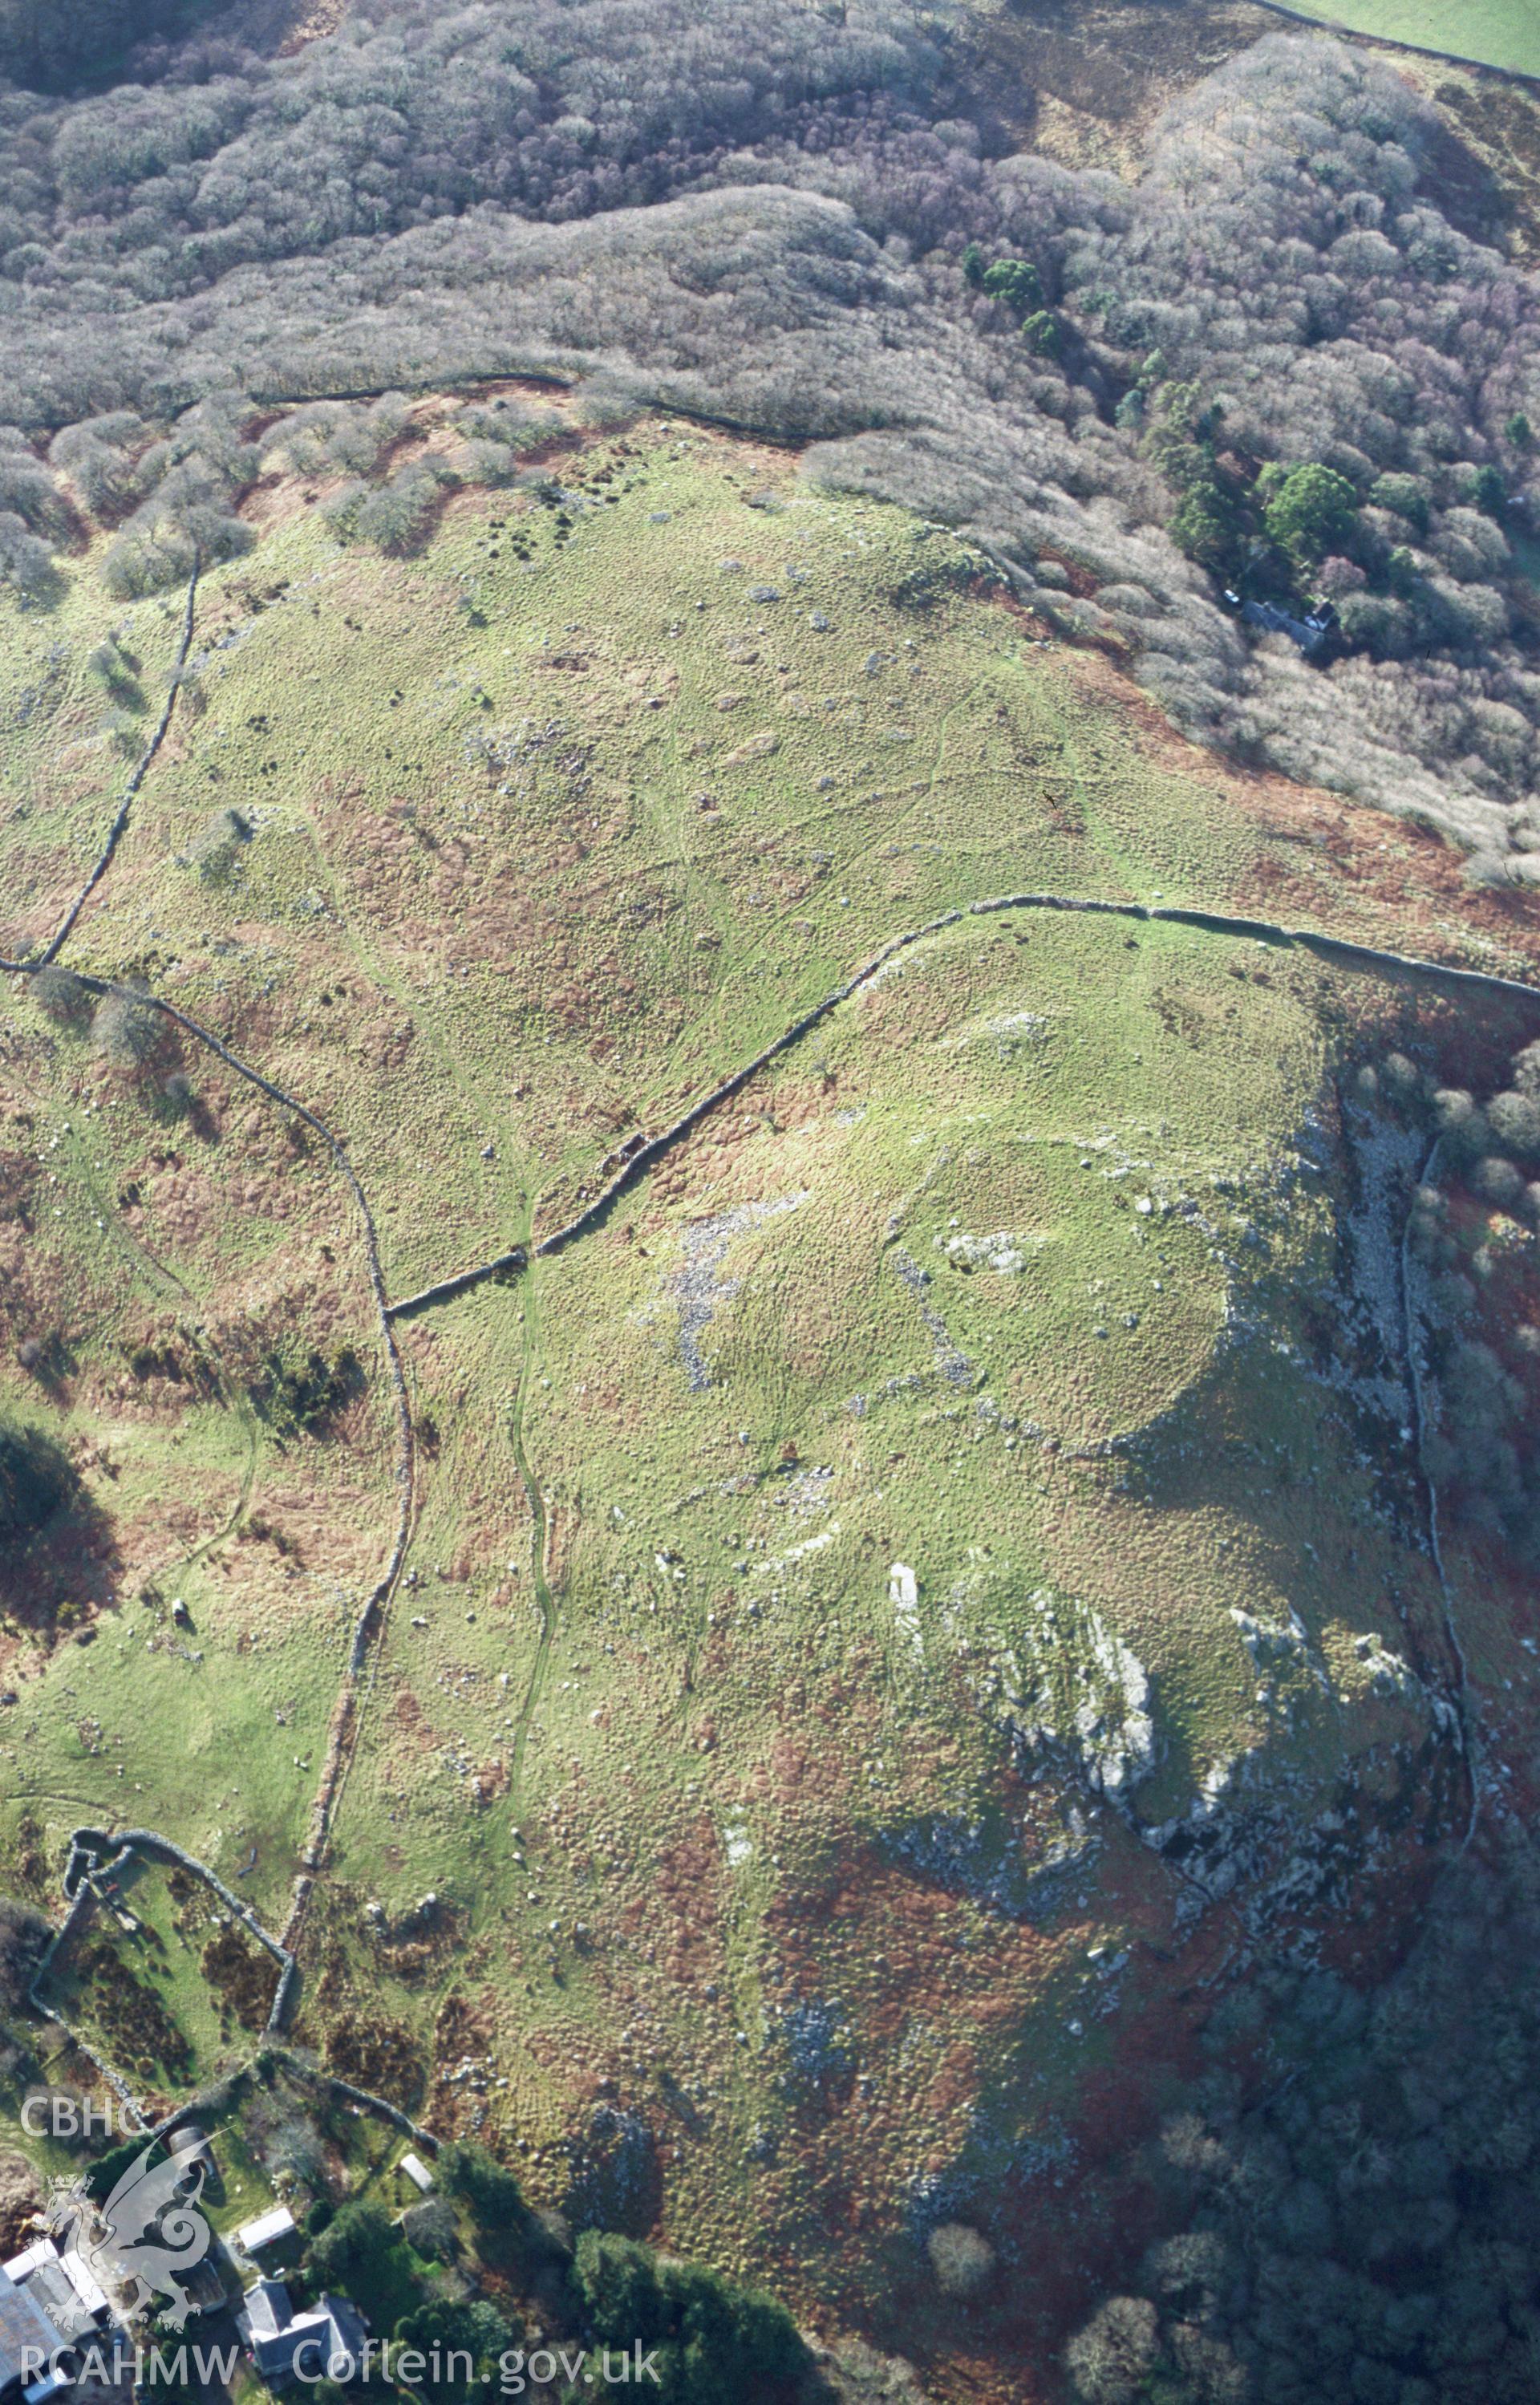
(59, 1561)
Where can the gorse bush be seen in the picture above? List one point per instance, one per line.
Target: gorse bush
(109, 2169)
(300, 1391)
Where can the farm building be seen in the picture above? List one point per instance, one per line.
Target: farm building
(1311, 633)
(62, 2285)
(324, 2342)
(266, 2231)
(28, 2343)
(48, 2305)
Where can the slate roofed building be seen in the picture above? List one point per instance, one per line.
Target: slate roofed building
(41, 2275)
(32, 2350)
(324, 2342)
(1312, 632)
(49, 2304)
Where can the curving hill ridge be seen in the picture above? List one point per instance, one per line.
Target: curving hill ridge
(936, 1566)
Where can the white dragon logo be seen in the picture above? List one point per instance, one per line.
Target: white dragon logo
(152, 2230)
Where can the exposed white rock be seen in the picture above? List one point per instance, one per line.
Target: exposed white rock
(904, 1595)
(1001, 1252)
(1078, 1690)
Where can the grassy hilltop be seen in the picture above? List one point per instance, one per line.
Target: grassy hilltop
(936, 1571)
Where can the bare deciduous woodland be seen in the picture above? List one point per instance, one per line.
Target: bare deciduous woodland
(768, 214)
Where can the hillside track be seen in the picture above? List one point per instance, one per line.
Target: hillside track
(370, 1625)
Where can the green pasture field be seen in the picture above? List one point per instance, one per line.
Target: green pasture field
(1494, 32)
(1010, 1277)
